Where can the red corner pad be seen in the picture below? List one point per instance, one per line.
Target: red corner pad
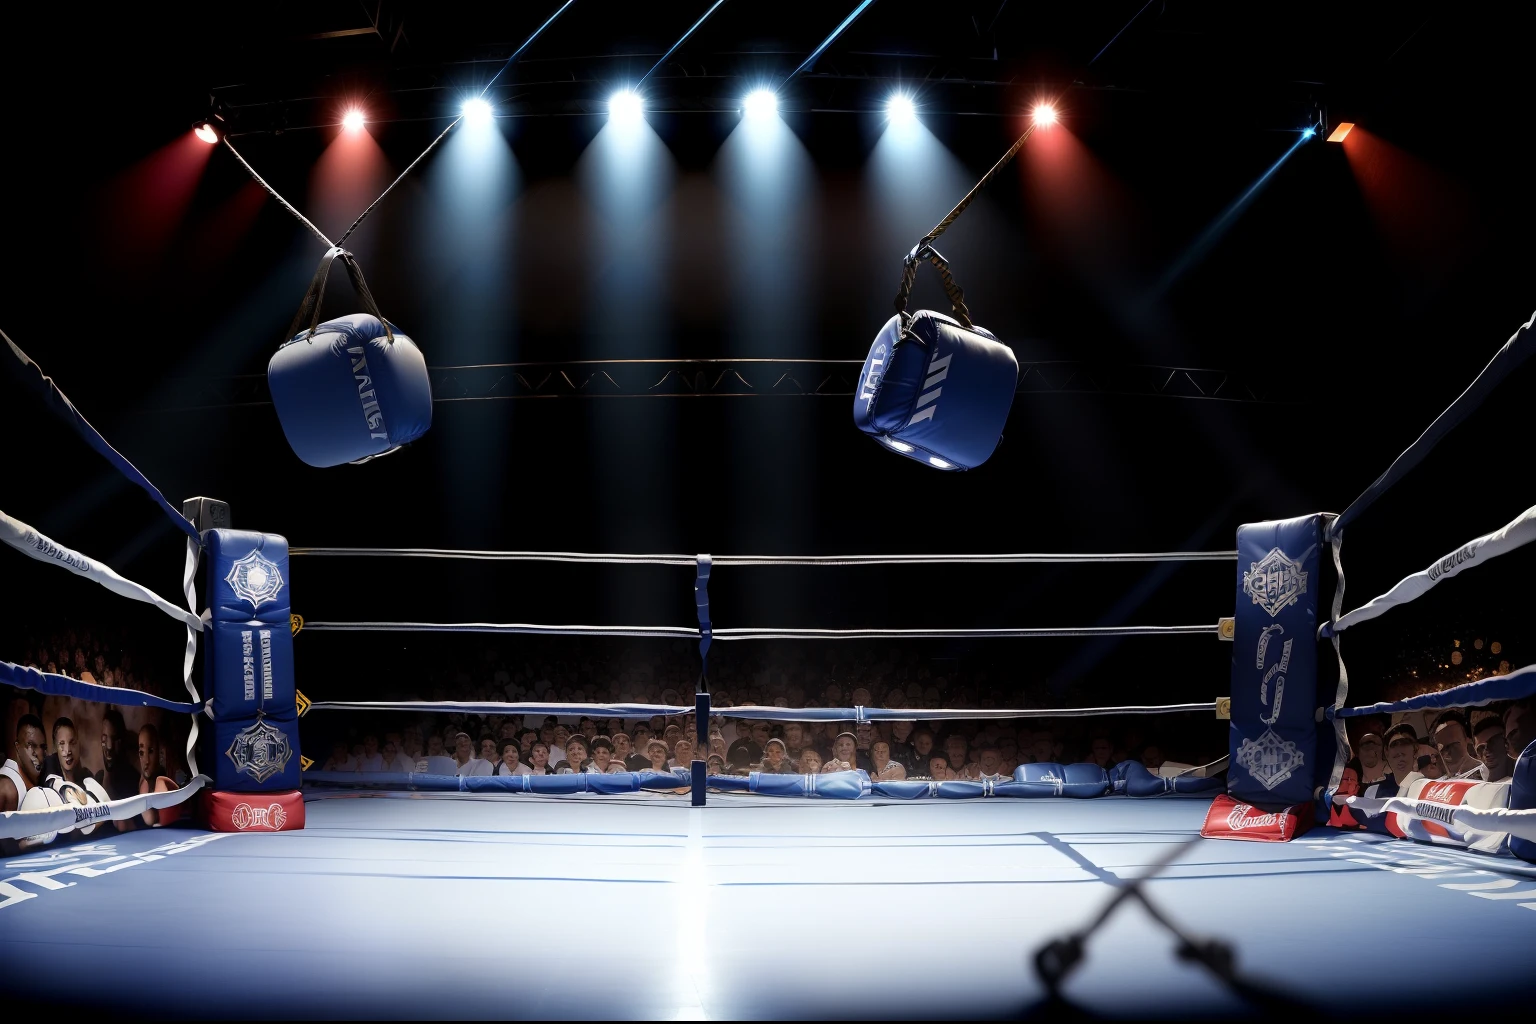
(1231, 819)
(253, 812)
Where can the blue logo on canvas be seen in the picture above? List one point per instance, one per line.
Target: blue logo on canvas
(260, 751)
(255, 579)
(1274, 582)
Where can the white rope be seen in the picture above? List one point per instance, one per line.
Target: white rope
(1513, 535)
(1520, 823)
(189, 590)
(754, 632)
(759, 560)
(754, 711)
(33, 544)
(25, 824)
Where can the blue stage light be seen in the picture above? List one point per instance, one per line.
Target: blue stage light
(760, 103)
(900, 109)
(477, 111)
(625, 107)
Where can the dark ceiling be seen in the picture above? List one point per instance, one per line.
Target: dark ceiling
(1354, 328)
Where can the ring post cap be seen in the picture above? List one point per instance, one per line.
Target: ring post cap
(1226, 627)
(207, 514)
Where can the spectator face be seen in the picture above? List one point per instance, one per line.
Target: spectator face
(1402, 757)
(370, 745)
(810, 761)
(1451, 741)
(576, 752)
(860, 697)
(922, 742)
(539, 756)
(588, 728)
(434, 745)
(1369, 751)
(760, 732)
(1519, 728)
(463, 749)
(562, 736)
(773, 754)
(1043, 747)
(991, 761)
(111, 744)
(488, 749)
(1490, 748)
(149, 755)
(866, 734)
(657, 752)
(526, 739)
(1349, 784)
(956, 748)
(31, 750)
(938, 768)
(845, 749)
(716, 765)
(1429, 762)
(901, 731)
(682, 751)
(717, 745)
(69, 749)
(547, 734)
(602, 754)
(390, 750)
(511, 754)
(880, 754)
(621, 746)
(642, 736)
(794, 735)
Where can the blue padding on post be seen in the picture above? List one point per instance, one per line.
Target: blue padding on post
(701, 602)
(1273, 737)
(30, 374)
(64, 686)
(1519, 683)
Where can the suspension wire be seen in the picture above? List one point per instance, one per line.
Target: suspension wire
(715, 7)
(275, 194)
(841, 28)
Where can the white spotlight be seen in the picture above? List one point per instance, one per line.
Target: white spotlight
(900, 109)
(478, 112)
(625, 107)
(760, 103)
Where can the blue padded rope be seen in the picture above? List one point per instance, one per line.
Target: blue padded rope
(1504, 362)
(1516, 685)
(65, 686)
(30, 374)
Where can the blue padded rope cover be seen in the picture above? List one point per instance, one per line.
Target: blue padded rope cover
(1274, 663)
(1517, 684)
(254, 742)
(1030, 781)
(701, 602)
(30, 374)
(64, 686)
(1504, 362)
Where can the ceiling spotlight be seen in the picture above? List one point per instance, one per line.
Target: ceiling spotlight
(760, 103)
(478, 112)
(205, 131)
(353, 120)
(1044, 115)
(625, 107)
(900, 109)
(1342, 131)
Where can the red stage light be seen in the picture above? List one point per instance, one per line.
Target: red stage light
(1341, 132)
(353, 120)
(206, 132)
(1044, 115)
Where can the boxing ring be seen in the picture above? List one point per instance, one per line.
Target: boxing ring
(692, 895)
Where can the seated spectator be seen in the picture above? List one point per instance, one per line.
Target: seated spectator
(717, 747)
(525, 741)
(341, 759)
(956, 750)
(746, 750)
(117, 775)
(371, 760)
(562, 736)
(671, 734)
(901, 744)
(394, 760)
(922, 749)
(884, 768)
(1452, 738)
(602, 757)
(1373, 767)
(65, 760)
(1519, 726)
(990, 764)
(464, 756)
(682, 755)
(489, 749)
(794, 740)
(623, 747)
(939, 769)
(1429, 760)
(1488, 746)
(538, 759)
(845, 755)
(435, 746)
(1401, 760)
(1042, 747)
(776, 758)
(656, 752)
(810, 761)
(511, 761)
(575, 756)
(715, 765)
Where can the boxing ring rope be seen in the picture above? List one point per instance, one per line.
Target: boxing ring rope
(756, 712)
(1521, 531)
(21, 367)
(44, 822)
(755, 632)
(769, 560)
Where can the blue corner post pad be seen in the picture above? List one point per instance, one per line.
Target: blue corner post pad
(701, 601)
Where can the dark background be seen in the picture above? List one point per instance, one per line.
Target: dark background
(1363, 289)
